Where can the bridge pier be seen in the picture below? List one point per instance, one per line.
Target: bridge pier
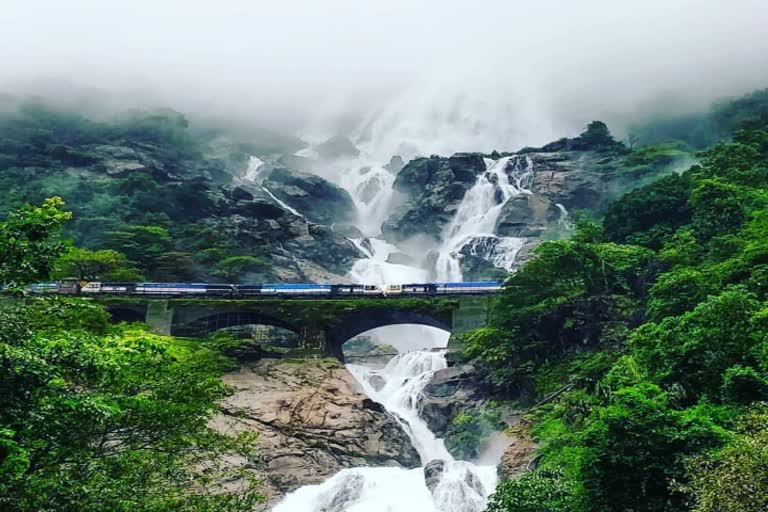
(472, 313)
(315, 341)
(159, 317)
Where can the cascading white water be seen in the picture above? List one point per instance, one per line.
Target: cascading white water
(253, 175)
(462, 487)
(480, 209)
(564, 221)
(405, 377)
(371, 189)
(375, 269)
(254, 166)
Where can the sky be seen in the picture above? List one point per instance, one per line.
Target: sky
(466, 73)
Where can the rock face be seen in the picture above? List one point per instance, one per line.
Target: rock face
(449, 390)
(518, 458)
(313, 420)
(300, 250)
(318, 199)
(582, 173)
(433, 188)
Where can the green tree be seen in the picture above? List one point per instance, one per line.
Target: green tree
(105, 264)
(634, 452)
(533, 492)
(694, 350)
(649, 215)
(717, 209)
(233, 267)
(95, 417)
(29, 243)
(735, 479)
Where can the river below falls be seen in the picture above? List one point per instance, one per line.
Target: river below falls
(460, 487)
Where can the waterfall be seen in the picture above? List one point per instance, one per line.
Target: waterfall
(252, 171)
(480, 209)
(564, 221)
(375, 269)
(371, 191)
(253, 175)
(405, 377)
(462, 487)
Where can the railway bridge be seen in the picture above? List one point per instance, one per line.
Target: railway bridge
(323, 324)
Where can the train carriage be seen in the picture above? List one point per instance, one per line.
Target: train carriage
(471, 287)
(170, 289)
(296, 289)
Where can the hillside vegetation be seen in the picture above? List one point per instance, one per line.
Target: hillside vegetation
(649, 327)
(95, 416)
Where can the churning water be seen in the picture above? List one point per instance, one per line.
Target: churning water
(462, 486)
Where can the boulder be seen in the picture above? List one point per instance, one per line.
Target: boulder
(395, 164)
(313, 420)
(348, 230)
(447, 392)
(525, 215)
(317, 199)
(433, 473)
(432, 189)
(517, 458)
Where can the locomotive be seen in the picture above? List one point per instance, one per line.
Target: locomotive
(75, 287)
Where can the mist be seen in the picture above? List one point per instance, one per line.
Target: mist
(400, 77)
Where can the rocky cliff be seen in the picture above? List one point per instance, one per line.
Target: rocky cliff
(317, 199)
(584, 173)
(431, 189)
(313, 420)
(174, 200)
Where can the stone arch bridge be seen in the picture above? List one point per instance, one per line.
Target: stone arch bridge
(323, 325)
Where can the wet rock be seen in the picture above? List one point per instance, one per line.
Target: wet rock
(526, 252)
(395, 164)
(449, 390)
(488, 257)
(400, 258)
(348, 230)
(337, 147)
(377, 382)
(433, 188)
(433, 473)
(473, 482)
(300, 251)
(240, 194)
(526, 215)
(314, 197)
(369, 190)
(313, 420)
(351, 490)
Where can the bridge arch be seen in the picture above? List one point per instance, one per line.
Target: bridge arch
(323, 325)
(211, 323)
(355, 324)
(129, 315)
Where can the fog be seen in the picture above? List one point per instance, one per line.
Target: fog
(441, 75)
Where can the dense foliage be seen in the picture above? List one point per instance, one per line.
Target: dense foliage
(98, 417)
(143, 186)
(645, 338)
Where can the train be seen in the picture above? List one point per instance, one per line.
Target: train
(86, 288)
